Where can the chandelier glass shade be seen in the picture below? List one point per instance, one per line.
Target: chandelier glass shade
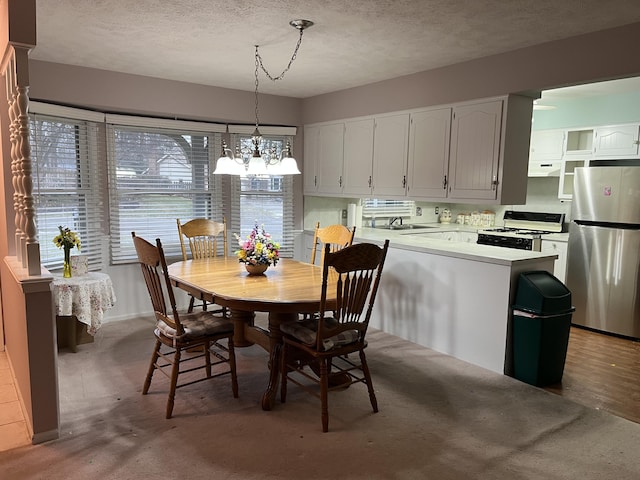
(260, 159)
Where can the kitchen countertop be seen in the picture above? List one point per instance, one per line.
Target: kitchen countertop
(414, 241)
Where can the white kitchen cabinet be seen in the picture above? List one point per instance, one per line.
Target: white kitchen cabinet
(461, 159)
(490, 151)
(390, 147)
(545, 152)
(428, 166)
(329, 158)
(309, 177)
(546, 144)
(579, 143)
(617, 141)
(358, 155)
(559, 248)
(475, 150)
(468, 237)
(568, 166)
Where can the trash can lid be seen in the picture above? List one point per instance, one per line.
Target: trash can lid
(540, 292)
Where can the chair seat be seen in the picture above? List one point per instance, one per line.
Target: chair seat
(305, 331)
(197, 324)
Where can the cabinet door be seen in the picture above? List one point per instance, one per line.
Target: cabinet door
(560, 249)
(390, 142)
(475, 151)
(330, 158)
(358, 157)
(619, 141)
(311, 145)
(565, 186)
(546, 144)
(429, 136)
(579, 142)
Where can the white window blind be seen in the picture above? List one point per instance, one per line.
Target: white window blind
(375, 208)
(157, 175)
(263, 200)
(68, 184)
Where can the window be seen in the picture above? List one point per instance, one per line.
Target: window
(105, 175)
(68, 185)
(376, 208)
(265, 200)
(157, 176)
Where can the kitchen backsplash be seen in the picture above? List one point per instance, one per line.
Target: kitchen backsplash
(542, 196)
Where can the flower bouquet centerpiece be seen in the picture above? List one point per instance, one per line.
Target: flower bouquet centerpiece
(66, 240)
(258, 251)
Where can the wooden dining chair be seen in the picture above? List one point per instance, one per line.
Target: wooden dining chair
(182, 333)
(325, 342)
(337, 236)
(205, 237)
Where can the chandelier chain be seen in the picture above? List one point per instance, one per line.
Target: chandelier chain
(293, 57)
(260, 66)
(256, 85)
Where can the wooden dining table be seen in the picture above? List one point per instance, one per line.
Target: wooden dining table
(285, 291)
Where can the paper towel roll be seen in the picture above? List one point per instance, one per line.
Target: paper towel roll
(351, 215)
(359, 216)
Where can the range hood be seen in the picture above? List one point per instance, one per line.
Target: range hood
(550, 168)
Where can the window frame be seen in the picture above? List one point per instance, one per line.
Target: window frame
(101, 165)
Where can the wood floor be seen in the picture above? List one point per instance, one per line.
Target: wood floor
(602, 371)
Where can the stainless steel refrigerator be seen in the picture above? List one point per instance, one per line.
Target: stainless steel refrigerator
(603, 269)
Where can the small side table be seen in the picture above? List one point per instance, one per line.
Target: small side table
(85, 298)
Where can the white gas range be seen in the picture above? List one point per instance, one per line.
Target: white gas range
(522, 230)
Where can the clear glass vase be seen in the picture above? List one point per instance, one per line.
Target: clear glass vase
(66, 272)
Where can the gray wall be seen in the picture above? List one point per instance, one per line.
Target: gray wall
(582, 59)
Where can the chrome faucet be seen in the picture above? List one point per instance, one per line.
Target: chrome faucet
(393, 220)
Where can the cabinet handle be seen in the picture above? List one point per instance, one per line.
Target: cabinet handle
(494, 183)
(369, 181)
(340, 181)
(444, 183)
(404, 181)
(315, 180)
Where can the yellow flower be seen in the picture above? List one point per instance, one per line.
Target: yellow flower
(66, 239)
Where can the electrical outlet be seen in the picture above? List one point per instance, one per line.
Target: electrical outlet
(344, 214)
(437, 210)
(418, 211)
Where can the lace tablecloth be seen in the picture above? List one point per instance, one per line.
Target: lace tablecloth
(86, 297)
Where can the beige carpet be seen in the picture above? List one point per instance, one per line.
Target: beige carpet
(439, 418)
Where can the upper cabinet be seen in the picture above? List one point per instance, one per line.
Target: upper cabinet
(491, 139)
(468, 152)
(428, 169)
(323, 158)
(545, 152)
(546, 144)
(579, 143)
(475, 151)
(309, 177)
(390, 143)
(616, 141)
(358, 150)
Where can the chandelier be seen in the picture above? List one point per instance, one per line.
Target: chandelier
(260, 159)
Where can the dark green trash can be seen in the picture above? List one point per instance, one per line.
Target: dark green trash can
(541, 325)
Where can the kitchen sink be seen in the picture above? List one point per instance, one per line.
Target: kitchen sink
(408, 226)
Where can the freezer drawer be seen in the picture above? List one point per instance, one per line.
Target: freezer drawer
(603, 274)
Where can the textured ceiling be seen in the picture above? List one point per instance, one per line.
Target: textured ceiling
(353, 42)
